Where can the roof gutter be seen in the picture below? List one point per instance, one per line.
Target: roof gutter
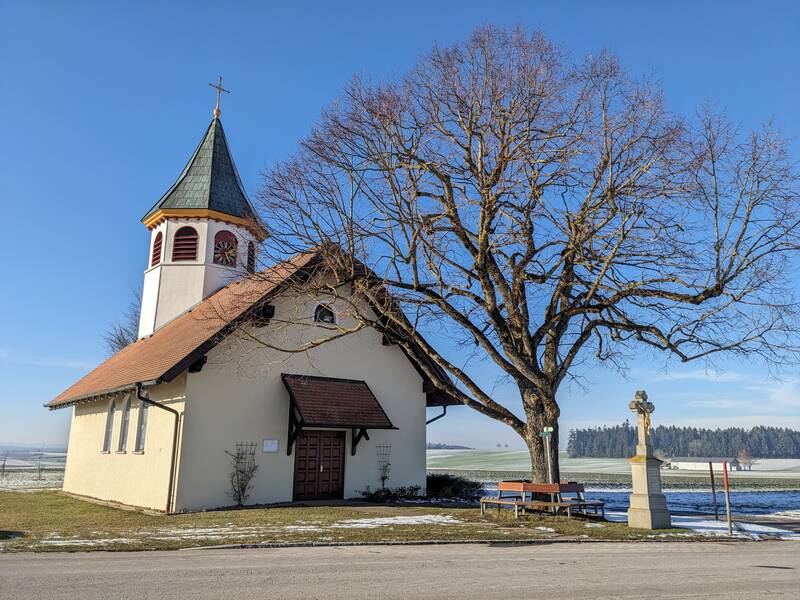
(437, 417)
(97, 395)
(173, 458)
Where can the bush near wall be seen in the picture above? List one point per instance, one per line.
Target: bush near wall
(441, 486)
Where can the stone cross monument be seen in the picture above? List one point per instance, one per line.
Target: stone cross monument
(648, 506)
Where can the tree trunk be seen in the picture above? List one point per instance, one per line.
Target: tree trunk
(541, 413)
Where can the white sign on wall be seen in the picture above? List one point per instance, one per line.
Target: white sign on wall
(269, 446)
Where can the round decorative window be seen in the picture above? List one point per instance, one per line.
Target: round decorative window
(225, 248)
(323, 314)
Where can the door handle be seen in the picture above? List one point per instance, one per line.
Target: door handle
(321, 468)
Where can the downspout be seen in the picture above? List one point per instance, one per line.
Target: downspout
(173, 458)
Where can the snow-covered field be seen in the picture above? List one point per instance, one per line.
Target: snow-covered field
(31, 480)
(519, 460)
(783, 503)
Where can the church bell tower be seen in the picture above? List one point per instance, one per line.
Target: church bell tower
(204, 232)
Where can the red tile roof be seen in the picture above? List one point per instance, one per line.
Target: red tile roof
(164, 354)
(329, 402)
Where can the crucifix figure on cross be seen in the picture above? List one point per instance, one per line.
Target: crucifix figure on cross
(220, 89)
(643, 410)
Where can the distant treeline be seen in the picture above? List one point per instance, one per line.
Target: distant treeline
(441, 446)
(620, 441)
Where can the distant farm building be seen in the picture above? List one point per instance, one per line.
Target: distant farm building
(700, 463)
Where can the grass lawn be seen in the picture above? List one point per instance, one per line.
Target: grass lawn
(50, 520)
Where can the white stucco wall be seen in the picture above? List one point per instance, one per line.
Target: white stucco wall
(239, 397)
(137, 479)
(170, 288)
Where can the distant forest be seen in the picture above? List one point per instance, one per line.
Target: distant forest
(620, 442)
(441, 446)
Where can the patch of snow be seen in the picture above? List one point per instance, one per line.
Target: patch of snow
(594, 525)
(303, 528)
(616, 517)
(388, 521)
(704, 526)
(89, 542)
(206, 533)
(547, 529)
(792, 514)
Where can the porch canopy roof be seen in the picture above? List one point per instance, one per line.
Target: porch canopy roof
(330, 402)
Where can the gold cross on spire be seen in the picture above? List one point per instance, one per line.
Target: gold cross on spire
(220, 89)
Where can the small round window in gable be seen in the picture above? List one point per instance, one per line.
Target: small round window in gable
(323, 314)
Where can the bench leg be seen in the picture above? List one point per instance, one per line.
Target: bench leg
(516, 511)
(483, 509)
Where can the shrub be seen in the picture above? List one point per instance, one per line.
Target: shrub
(453, 487)
(243, 469)
(441, 486)
(392, 494)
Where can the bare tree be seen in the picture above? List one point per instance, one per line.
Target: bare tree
(126, 330)
(538, 214)
(745, 459)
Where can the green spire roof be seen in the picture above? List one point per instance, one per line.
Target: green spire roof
(209, 180)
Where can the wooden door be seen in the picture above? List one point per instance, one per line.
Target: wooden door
(319, 465)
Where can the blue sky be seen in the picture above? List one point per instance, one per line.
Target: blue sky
(104, 101)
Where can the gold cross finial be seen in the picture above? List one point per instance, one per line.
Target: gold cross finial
(220, 89)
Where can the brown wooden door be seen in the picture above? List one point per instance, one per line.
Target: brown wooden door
(319, 465)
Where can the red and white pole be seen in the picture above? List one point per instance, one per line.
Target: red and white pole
(727, 497)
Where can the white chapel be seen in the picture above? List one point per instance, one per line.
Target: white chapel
(154, 424)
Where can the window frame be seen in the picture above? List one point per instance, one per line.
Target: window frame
(108, 434)
(124, 425)
(182, 238)
(251, 257)
(324, 307)
(158, 248)
(141, 427)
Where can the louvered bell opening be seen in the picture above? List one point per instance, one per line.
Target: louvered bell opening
(185, 245)
(251, 257)
(155, 258)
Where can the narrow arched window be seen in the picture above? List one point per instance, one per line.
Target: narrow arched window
(323, 314)
(141, 426)
(251, 257)
(124, 425)
(109, 426)
(225, 245)
(155, 257)
(184, 246)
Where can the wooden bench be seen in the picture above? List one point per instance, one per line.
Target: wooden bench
(522, 498)
(579, 500)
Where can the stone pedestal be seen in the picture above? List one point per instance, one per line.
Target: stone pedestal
(648, 506)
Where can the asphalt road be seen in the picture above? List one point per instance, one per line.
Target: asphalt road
(607, 570)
